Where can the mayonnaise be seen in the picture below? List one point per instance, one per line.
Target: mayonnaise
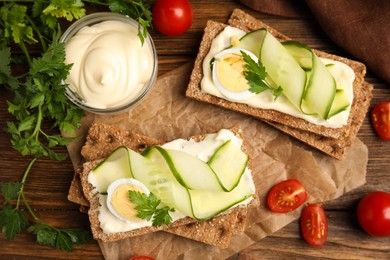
(110, 65)
(342, 73)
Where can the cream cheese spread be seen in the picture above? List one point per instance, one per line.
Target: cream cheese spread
(343, 74)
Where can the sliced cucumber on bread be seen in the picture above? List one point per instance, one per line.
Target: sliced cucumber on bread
(306, 81)
(195, 188)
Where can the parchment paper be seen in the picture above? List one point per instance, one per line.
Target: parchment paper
(166, 113)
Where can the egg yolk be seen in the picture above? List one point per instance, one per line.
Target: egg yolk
(120, 201)
(230, 72)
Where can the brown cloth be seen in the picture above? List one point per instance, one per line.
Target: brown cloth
(360, 27)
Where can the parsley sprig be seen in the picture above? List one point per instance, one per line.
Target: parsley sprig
(136, 9)
(14, 220)
(139, 10)
(39, 95)
(42, 95)
(256, 75)
(148, 208)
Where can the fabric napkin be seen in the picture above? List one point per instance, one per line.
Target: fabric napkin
(360, 27)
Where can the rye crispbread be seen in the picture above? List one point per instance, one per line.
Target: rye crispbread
(101, 141)
(332, 141)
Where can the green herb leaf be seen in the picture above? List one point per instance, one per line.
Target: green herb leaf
(77, 236)
(45, 234)
(10, 191)
(5, 69)
(138, 10)
(43, 96)
(59, 237)
(147, 207)
(16, 26)
(13, 221)
(68, 9)
(256, 75)
(162, 217)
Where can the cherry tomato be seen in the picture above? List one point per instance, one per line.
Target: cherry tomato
(286, 196)
(373, 213)
(314, 225)
(380, 118)
(141, 257)
(172, 17)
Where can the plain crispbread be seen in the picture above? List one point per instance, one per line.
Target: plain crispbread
(101, 141)
(329, 140)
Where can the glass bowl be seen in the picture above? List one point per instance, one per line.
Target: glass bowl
(75, 96)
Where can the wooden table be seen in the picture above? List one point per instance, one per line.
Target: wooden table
(48, 183)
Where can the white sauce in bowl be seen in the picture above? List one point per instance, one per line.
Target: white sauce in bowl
(110, 65)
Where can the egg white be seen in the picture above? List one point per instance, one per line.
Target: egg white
(114, 185)
(235, 96)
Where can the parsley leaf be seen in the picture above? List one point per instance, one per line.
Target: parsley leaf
(138, 10)
(69, 9)
(162, 216)
(60, 238)
(12, 220)
(5, 69)
(10, 191)
(16, 26)
(256, 75)
(147, 207)
(43, 96)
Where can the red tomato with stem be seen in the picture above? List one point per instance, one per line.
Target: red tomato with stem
(380, 118)
(172, 17)
(314, 225)
(373, 213)
(286, 196)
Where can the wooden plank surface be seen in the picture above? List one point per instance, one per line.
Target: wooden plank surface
(48, 183)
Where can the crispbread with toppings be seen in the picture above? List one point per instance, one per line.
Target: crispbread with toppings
(332, 141)
(101, 141)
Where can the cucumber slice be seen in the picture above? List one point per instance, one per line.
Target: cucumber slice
(340, 103)
(203, 204)
(283, 69)
(300, 52)
(207, 204)
(229, 163)
(154, 173)
(320, 89)
(330, 66)
(341, 100)
(190, 171)
(115, 166)
(303, 55)
(251, 41)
